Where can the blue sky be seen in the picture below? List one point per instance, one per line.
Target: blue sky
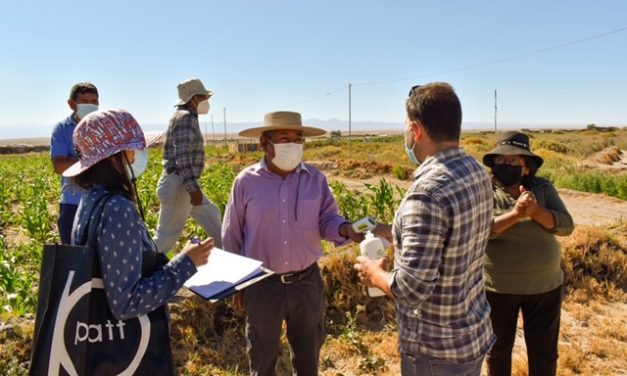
(552, 62)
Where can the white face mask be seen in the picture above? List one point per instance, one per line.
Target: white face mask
(139, 164)
(203, 107)
(287, 156)
(84, 109)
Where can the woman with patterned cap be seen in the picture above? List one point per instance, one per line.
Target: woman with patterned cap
(112, 154)
(522, 264)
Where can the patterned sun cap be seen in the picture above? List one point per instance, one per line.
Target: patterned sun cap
(102, 134)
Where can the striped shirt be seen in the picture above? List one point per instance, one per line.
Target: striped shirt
(440, 233)
(183, 152)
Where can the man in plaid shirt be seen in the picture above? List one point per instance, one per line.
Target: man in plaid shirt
(183, 162)
(440, 232)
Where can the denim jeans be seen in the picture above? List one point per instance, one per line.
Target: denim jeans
(422, 365)
(66, 221)
(176, 208)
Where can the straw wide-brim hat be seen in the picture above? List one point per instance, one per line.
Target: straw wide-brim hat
(187, 89)
(282, 120)
(511, 143)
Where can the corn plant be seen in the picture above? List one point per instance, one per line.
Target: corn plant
(17, 279)
(37, 218)
(383, 201)
(216, 184)
(7, 217)
(352, 205)
(378, 201)
(146, 189)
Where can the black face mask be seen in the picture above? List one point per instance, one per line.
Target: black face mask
(508, 175)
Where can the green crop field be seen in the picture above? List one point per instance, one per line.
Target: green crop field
(208, 339)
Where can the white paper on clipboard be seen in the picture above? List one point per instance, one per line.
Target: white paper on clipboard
(224, 271)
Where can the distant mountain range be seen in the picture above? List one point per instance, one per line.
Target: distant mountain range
(362, 126)
(35, 130)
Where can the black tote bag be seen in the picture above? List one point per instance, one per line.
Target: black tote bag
(76, 333)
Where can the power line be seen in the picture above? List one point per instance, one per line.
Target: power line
(496, 61)
(326, 94)
(318, 97)
(463, 68)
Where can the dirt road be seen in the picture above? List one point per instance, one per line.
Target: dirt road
(588, 209)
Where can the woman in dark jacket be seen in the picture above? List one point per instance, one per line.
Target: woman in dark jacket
(522, 263)
(112, 154)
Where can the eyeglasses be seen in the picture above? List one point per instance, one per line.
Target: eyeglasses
(413, 90)
(512, 160)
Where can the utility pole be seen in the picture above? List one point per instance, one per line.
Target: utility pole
(225, 142)
(495, 111)
(213, 129)
(350, 133)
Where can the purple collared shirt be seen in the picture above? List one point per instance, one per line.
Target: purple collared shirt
(281, 221)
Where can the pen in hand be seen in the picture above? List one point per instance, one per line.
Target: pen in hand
(198, 251)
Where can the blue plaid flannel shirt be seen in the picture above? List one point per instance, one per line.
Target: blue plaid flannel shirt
(184, 152)
(440, 233)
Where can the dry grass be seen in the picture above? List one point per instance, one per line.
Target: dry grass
(362, 337)
(595, 263)
(593, 339)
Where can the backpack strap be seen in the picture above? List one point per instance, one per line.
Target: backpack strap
(151, 261)
(88, 237)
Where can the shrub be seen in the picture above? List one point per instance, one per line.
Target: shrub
(595, 260)
(399, 172)
(555, 146)
(593, 181)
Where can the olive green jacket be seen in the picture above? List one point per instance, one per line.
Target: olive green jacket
(525, 259)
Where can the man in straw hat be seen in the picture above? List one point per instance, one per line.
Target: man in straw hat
(440, 232)
(183, 163)
(279, 211)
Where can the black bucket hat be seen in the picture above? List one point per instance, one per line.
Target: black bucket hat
(511, 143)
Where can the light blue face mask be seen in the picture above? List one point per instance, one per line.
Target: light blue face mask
(410, 151)
(84, 109)
(411, 155)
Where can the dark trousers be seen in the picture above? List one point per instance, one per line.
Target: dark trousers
(66, 221)
(541, 322)
(301, 304)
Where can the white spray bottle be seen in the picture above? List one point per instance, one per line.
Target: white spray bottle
(372, 247)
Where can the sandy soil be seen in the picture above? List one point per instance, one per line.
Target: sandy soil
(40, 141)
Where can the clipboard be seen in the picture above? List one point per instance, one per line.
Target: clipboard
(234, 289)
(225, 274)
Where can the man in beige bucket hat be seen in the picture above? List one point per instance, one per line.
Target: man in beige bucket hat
(279, 211)
(183, 162)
